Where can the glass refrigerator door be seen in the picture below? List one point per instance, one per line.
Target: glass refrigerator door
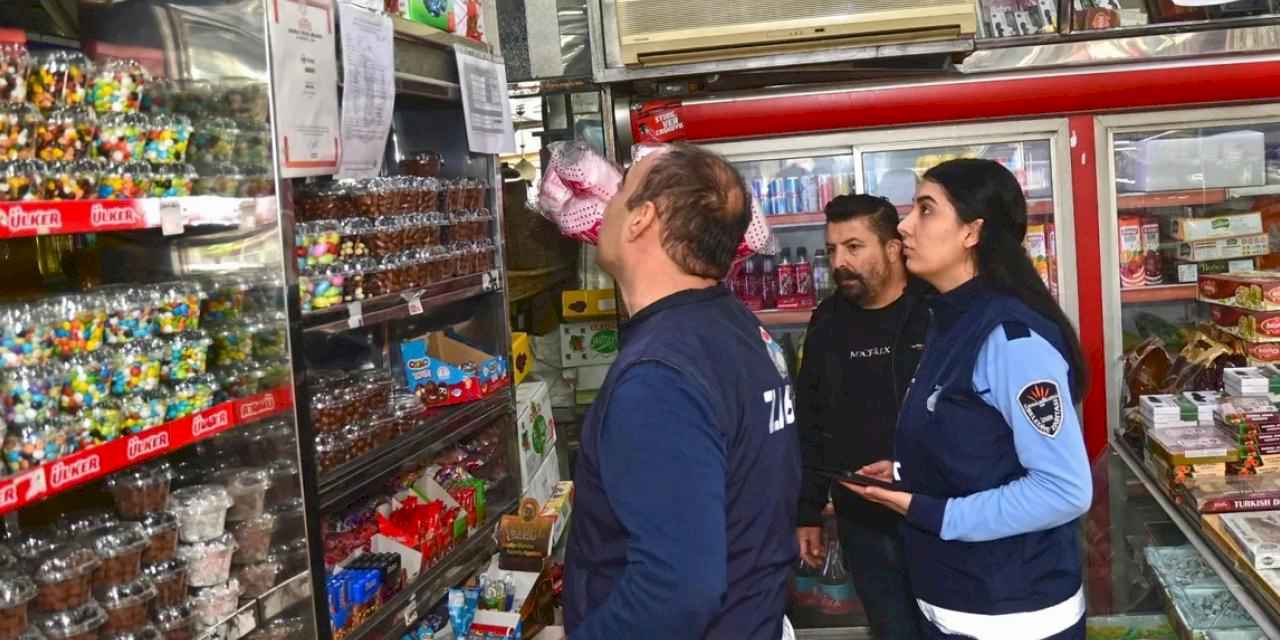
(1192, 211)
(894, 173)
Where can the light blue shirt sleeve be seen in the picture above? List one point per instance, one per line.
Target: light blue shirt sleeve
(1058, 486)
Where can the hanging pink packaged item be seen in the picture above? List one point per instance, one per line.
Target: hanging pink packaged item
(579, 182)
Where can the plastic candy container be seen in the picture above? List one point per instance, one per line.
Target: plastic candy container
(14, 63)
(120, 550)
(64, 575)
(232, 345)
(58, 79)
(318, 244)
(29, 394)
(85, 381)
(355, 236)
(136, 366)
(128, 315)
(78, 324)
(18, 123)
(270, 339)
(253, 144)
(79, 623)
(20, 180)
(216, 603)
(162, 531)
(140, 412)
(253, 538)
(124, 181)
(225, 302)
(32, 444)
(176, 623)
(126, 604)
(179, 308)
(24, 336)
(168, 137)
(258, 578)
(122, 137)
(248, 491)
(185, 356)
(214, 140)
(201, 511)
(61, 182)
(191, 396)
(320, 288)
(139, 490)
(172, 181)
(15, 592)
(118, 87)
(170, 579)
(103, 422)
(208, 562)
(66, 134)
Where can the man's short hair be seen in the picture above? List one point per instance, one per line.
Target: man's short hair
(704, 206)
(882, 215)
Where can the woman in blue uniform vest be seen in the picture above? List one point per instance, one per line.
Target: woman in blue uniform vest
(991, 470)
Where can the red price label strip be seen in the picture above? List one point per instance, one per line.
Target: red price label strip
(86, 466)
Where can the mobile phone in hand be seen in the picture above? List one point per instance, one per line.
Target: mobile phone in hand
(842, 475)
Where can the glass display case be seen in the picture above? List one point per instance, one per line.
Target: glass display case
(1189, 252)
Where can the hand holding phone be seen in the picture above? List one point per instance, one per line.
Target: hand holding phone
(853, 477)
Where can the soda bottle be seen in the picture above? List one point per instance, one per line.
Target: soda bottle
(837, 596)
(821, 275)
(769, 292)
(754, 285)
(805, 298)
(786, 282)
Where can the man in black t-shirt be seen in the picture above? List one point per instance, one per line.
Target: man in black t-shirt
(860, 352)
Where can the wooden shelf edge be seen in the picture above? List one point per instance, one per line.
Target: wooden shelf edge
(1156, 199)
(784, 317)
(786, 220)
(1160, 293)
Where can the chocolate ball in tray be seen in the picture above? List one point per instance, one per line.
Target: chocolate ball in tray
(161, 528)
(126, 604)
(258, 578)
(78, 623)
(64, 577)
(139, 490)
(16, 592)
(253, 538)
(170, 579)
(176, 623)
(120, 549)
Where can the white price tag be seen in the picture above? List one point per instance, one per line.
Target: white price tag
(355, 315)
(489, 282)
(414, 298)
(410, 613)
(170, 217)
(248, 214)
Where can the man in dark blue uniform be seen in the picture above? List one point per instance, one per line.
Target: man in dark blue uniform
(689, 473)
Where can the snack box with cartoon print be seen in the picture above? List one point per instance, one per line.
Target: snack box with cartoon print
(1257, 290)
(446, 371)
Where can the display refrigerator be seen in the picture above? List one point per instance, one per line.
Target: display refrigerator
(235, 404)
(1188, 233)
(793, 178)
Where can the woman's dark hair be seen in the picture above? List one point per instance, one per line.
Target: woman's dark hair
(983, 189)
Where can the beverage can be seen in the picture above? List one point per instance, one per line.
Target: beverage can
(760, 192)
(809, 193)
(778, 195)
(826, 190)
(795, 197)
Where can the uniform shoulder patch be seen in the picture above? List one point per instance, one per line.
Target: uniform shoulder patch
(1041, 403)
(776, 354)
(1014, 330)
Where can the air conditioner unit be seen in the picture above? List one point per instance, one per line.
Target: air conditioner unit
(657, 32)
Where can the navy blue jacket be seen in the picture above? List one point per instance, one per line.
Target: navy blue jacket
(687, 481)
(990, 446)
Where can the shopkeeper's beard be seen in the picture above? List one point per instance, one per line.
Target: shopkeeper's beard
(860, 288)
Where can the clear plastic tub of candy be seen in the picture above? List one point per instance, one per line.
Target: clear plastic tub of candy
(30, 394)
(225, 302)
(135, 366)
(61, 181)
(285, 481)
(208, 562)
(253, 144)
(142, 411)
(122, 137)
(238, 380)
(176, 623)
(145, 632)
(20, 180)
(168, 136)
(293, 554)
(86, 381)
(85, 526)
(79, 623)
(215, 604)
(253, 538)
(223, 179)
(232, 345)
(320, 289)
(18, 125)
(355, 286)
(170, 579)
(126, 604)
(58, 78)
(14, 63)
(66, 135)
(161, 528)
(453, 196)
(186, 356)
(386, 237)
(258, 578)
(333, 408)
(64, 577)
(331, 451)
(426, 164)
(139, 490)
(270, 337)
(213, 140)
(173, 180)
(248, 491)
(16, 592)
(125, 181)
(119, 549)
(177, 308)
(201, 511)
(24, 336)
(118, 86)
(191, 396)
(406, 409)
(355, 237)
(318, 244)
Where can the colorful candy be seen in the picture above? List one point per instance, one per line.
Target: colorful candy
(103, 423)
(185, 356)
(270, 338)
(67, 134)
(321, 288)
(214, 140)
(79, 325)
(34, 444)
(23, 336)
(62, 181)
(18, 124)
(128, 315)
(226, 303)
(178, 308)
(253, 144)
(86, 380)
(191, 396)
(125, 181)
(30, 394)
(136, 366)
(172, 180)
(118, 87)
(167, 139)
(140, 412)
(58, 79)
(14, 63)
(20, 180)
(122, 137)
(232, 345)
(318, 244)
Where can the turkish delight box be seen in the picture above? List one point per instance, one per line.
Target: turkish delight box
(1257, 290)
(1258, 535)
(1219, 226)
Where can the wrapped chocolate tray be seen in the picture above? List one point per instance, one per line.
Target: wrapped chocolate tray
(1258, 535)
(1236, 494)
(1252, 410)
(1193, 445)
(1176, 476)
(1205, 403)
(1251, 381)
(1167, 410)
